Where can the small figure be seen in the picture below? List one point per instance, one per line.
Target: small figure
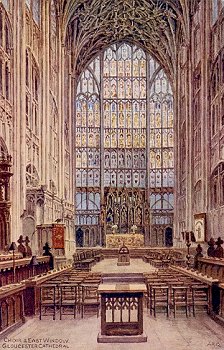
(218, 253)
(28, 249)
(21, 248)
(211, 248)
(198, 255)
(47, 252)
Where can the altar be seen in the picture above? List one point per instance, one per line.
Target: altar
(130, 240)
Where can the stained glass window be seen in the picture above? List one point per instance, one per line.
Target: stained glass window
(123, 134)
(34, 6)
(124, 116)
(6, 4)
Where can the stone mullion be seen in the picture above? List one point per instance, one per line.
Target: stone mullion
(70, 132)
(147, 180)
(177, 151)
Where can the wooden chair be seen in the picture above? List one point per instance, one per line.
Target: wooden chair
(159, 298)
(200, 297)
(180, 298)
(49, 300)
(89, 298)
(68, 299)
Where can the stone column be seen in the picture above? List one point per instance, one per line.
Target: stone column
(19, 116)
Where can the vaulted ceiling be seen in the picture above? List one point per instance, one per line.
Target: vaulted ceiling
(158, 26)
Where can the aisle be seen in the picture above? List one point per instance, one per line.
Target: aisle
(110, 266)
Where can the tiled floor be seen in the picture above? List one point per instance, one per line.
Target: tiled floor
(199, 333)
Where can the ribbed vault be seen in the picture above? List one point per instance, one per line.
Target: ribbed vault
(158, 26)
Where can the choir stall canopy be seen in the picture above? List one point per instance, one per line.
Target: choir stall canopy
(123, 256)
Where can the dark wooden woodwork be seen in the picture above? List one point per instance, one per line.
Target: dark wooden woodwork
(11, 307)
(23, 269)
(121, 309)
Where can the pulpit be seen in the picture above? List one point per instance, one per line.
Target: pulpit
(121, 313)
(123, 256)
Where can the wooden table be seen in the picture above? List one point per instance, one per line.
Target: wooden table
(121, 312)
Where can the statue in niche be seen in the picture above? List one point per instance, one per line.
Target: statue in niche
(107, 161)
(142, 68)
(158, 139)
(113, 90)
(143, 140)
(78, 140)
(96, 160)
(128, 89)
(131, 216)
(128, 120)
(83, 140)
(123, 216)
(128, 161)
(142, 89)
(106, 89)
(97, 119)
(121, 119)
(107, 141)
(113, 68)
(113, 120)
(113, 160)
(121, 88)
(136, 140)
(97, 140)
(170, 120)
(109, 218)
(121, 140)
(143, 120)
(147, 217)
(128, 68)
(135, 68)
(171, 159)
(113, 140)
(120, 106)
(158, 161)
(129, 140)
(142, 160)
(121, 160)
(136, 120)
(158, 120)
(135, 160)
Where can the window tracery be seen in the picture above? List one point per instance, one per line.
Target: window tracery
(120, 146)
(217, 186)
(217, 95)
(5, 55)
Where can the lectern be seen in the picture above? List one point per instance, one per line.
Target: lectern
(121, 313)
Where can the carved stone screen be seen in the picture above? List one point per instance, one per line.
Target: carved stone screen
(123, 147)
